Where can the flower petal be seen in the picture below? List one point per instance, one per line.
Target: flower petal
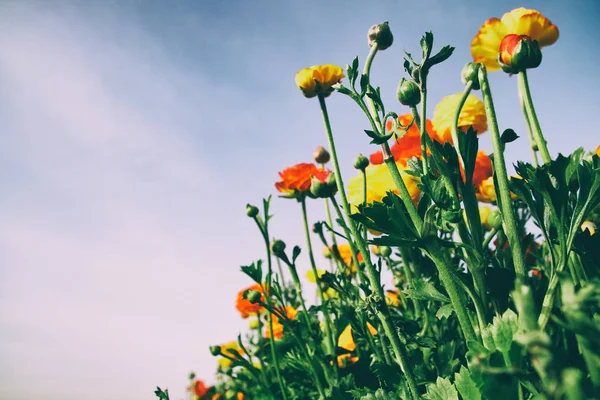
(486, 44)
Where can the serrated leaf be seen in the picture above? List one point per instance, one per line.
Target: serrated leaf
(465, 385)
(444, 311)
(441, 390)
(502, 333)
(423, 290)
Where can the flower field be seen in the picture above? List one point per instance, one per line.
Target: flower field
(496, 276)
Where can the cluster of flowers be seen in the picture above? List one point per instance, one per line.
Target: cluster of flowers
(402, 177)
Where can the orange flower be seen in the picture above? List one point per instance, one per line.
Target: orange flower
(217, 396)
(244, 306)
(296, 178)
(472, 115)
(485, 46)
(345, 360)
(198, 389)
(290, 312)
(346, 255)
(407, 146)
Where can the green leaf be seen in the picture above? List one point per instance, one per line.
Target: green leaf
(295, 253)
(254, 271)
(503, 335)
(444, 311)
(423, 290)
(162, 395)
(441, 390)
(426, 44)
(465, 385)
(364, 83)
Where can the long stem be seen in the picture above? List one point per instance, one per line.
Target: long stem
(367, 71)
(313, 266)
(534, 146)
(423, 124)
(509, 222)
(530, 114)
(381, 313)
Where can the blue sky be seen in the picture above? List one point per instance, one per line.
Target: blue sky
(134, 133)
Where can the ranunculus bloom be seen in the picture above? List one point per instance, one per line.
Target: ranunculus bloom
(278, 326)
(327, 75)
(198, 389)
(483, 169)
(226, 349)
(486, 192)
(244, 306)
(407, 146)
(471, 115)
(484, 214)
(296, 178)
(345, 253)
(379, 182)
(521, 21)
(345, 360)
(311, 275)
(598, 151)
(346, 340)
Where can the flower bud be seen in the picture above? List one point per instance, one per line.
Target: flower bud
(408, 93)
(192, 376)
(382, 35)
(321, 155)
(278, 247)
(323, 186)
(518, 53)
(470, 74)
(215, 350)
(251, 211)
(253, 324)
(253, 296)
(361, 162)
(327, 253)
(494, 220)
(385, 251)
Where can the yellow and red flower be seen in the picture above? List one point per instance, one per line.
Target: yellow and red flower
(245, 307)
(392, 297)
(485, 46)
(472, 115)
(327, 75)
(296, 179)
(345, 253)
(198, 389)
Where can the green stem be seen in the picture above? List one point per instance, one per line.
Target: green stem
(423, 124)
(530, 114)
(364, 175)
(403, 191)
(265, 232)
(509, 222)
(382, 312)
(326, 314)
(489, 238)
(534, 146)
(367, 71)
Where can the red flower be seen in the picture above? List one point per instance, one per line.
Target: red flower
(296, 178)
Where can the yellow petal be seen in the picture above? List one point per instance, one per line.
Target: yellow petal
(311, 275)
(346, 341)
(486, 44)
(371, 329)
(305, 80)
(522, 21)
(472, 115)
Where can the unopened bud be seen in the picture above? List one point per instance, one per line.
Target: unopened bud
(518, 53)
(278, 247)
(321, 155)
(215, 350)
(494, 220)
(323, 186)
(192, 376)
(361, 162)
(251, 211)
(382, 35)
(408, 93)
(327, 253)
(253, 296)
(385, 251)
(469, 74)
(253, 324)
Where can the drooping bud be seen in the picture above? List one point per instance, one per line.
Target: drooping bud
(382, 35)
(251, 211)
(408, 93)
(278, 247)
(518, 53)
(321, 155)
(215, 350)
(469, 74)
(361, 162)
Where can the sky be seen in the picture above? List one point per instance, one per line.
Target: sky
(134, 133)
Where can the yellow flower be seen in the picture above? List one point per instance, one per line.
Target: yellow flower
(346, 360)
(484, 213)
(471, 115)
(598, 151)
(346, 341)
(330, 293)
(311, 275)
(485, 46)
(327, 75)
(226, 350)
(379, 182)
(486, 191)
(392, 298)
(589, 225)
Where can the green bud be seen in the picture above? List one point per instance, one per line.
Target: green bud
(385, 251)
(382, 35)
(278, 247)
(495, 219)
(251, 211)
(192, 376)
(518, 53)
(321, 155)
(253, 296)
(361, 162)
(469, 74)
(324, 189)
(215, 350)
(408, 93)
